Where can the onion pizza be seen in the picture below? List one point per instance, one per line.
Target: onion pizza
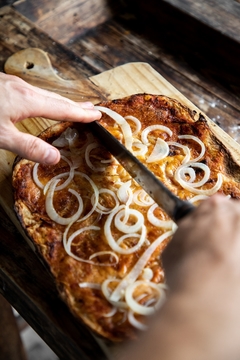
(99, 233)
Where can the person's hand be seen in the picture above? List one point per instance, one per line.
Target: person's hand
(19, 100)
(201, 317)
(208, 238)
(202, 265)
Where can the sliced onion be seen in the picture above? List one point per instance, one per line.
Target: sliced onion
(52, 212)
(111, 241)
(35, 176)
(198, 198)
(67, 245)
(70, 175)
(123, 192)
(107, 293)
(148, 129)
(184, 169)
(138, 267)
(101, 253)
(142, 148)
(141, 198)
(89, 148)
(111, 312)
(160, 151)
(194, 138)
(147, 274)
(126, 128)
(129, 229)
(96, 194)
(165, 224)
(126, 236)
(102, 209)
(137, 123)
(135, 323)
(185, 149)
(206, 192)
(89, 285)
(141, 309)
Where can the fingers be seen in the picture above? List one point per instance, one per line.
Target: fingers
(211, 232)
(21, 100)
(32, 148)
(57, 107)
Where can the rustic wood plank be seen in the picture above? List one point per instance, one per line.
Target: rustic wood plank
(11, 346)
(64, 19)
(219, 14)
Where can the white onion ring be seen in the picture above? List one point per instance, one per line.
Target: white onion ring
(100, 253)
(96, 194)
(142, 148)
(198, 198)
(60, 187)
(137, 123)
(107, 294)
(129, 229)
(194, 138)
(67, 245)
(185, 149)
(138, 267)
(206, 192)
(35, 176)
(135, 323)
(52, 212)
(89, 148)
(126, 128)
(182, 169)
(111, 312)
(141, 309)
(102, 209)
(141, 198)
(145, 132)
(165, 224)
(111, 241)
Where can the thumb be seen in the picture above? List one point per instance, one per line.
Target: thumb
(32, 148)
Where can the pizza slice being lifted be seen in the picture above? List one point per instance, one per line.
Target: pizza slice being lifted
(99, 233)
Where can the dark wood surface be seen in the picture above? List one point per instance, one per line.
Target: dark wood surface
(93, 36)
(221, 15)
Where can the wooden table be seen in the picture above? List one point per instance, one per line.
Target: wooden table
(93, 36)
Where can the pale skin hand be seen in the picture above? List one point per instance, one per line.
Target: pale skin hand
(20, 100)
(201, 318)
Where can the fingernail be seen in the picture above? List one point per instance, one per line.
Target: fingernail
(51, 156)
(88, 105)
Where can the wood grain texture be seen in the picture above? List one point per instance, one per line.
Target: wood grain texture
(219, 14)
(190, 56)
(10, 341)
(205, 80)
(63, 19)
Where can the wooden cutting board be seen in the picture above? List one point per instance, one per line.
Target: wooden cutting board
(34, 66)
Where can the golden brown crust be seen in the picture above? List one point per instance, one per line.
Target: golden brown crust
(88, 304)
